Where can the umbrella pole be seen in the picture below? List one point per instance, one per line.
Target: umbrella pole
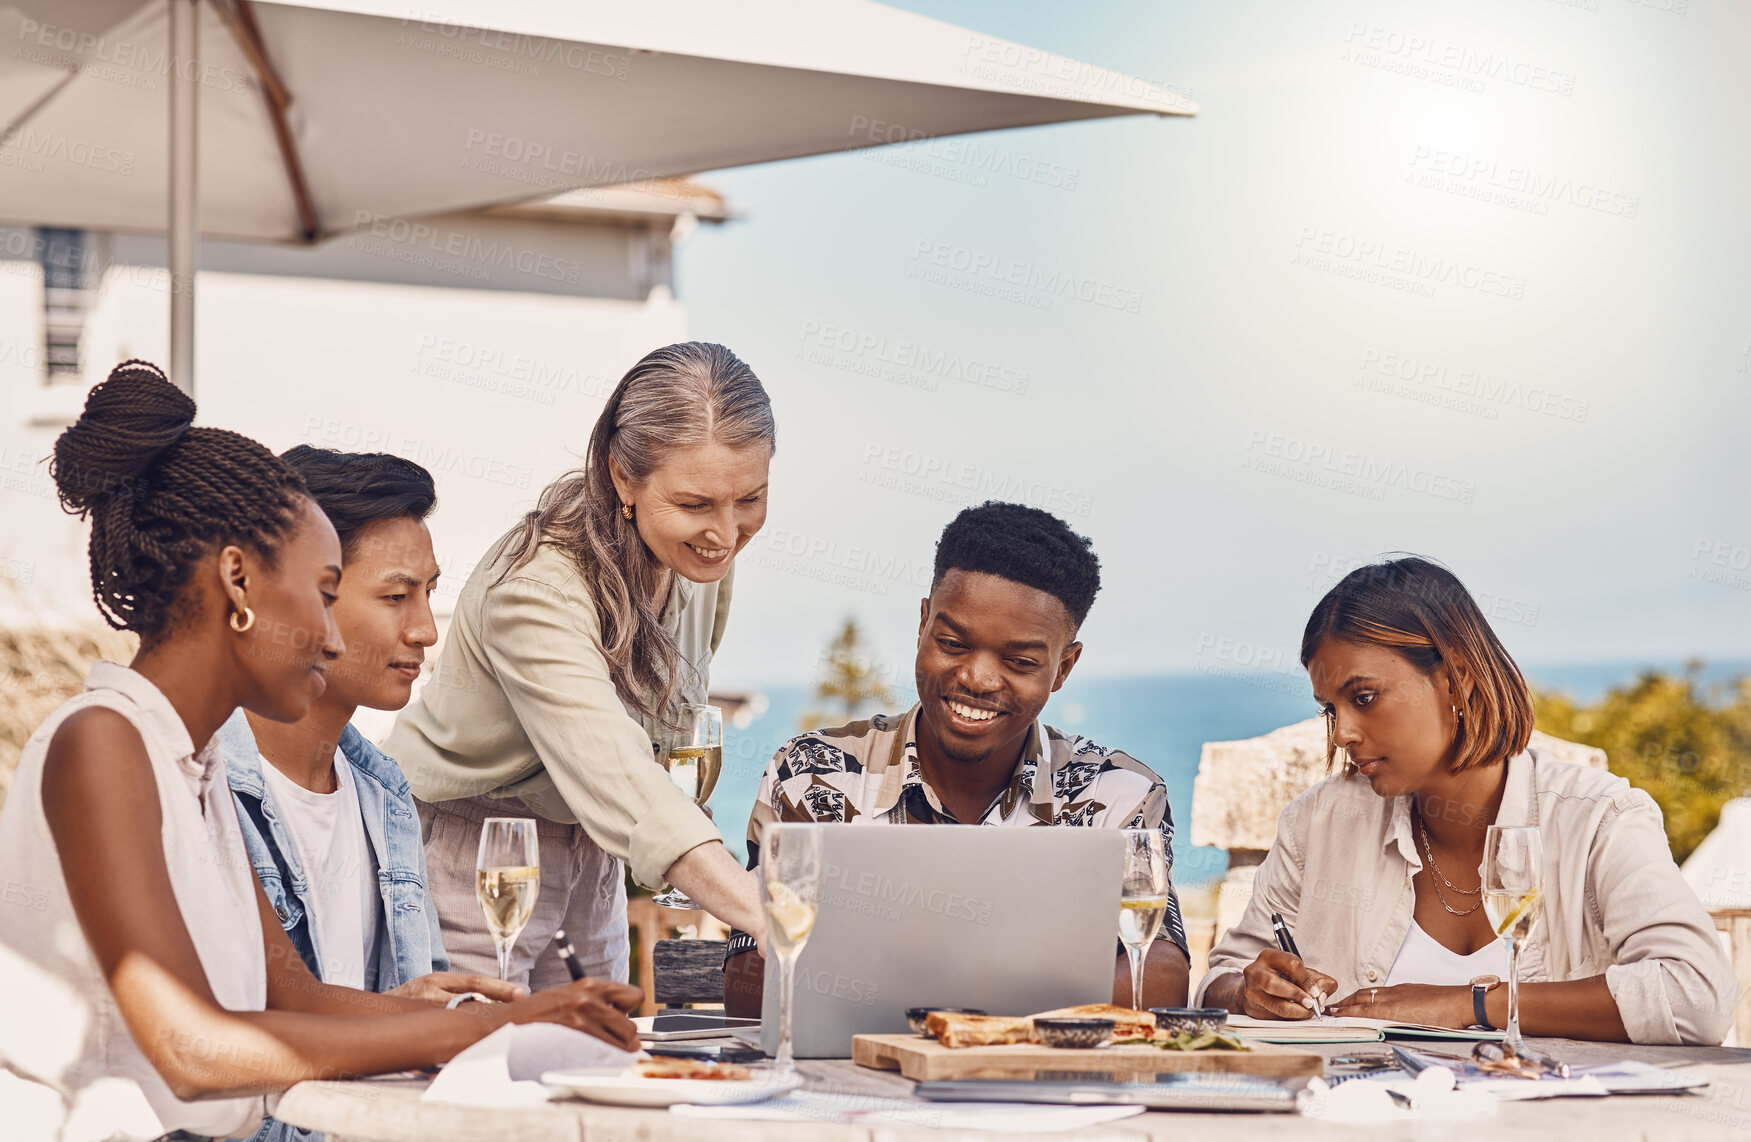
(184, 104)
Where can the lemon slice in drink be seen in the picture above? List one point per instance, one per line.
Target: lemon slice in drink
(789, 912)
(1527, 903)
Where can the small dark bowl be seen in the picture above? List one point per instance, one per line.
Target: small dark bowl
(1197, 1020)
(1058, 1032)
(915, 1016)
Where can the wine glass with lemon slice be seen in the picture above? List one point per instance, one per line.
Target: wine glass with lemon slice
(790, 895)
(507, 879)
(1513, 894)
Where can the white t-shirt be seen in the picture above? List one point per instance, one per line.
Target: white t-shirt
(1424, 959)
(344, 905)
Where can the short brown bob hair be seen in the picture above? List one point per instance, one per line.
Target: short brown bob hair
(1422, 611)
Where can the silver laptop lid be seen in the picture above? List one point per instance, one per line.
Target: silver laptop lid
(1008, 920)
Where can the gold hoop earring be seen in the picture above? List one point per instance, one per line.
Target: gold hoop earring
(248, 621)
(625, 511)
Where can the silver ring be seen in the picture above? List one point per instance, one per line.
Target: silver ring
(1372, 992)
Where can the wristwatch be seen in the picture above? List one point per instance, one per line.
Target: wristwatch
(1480, 988)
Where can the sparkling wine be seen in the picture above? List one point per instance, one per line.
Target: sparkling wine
(1140, 919)
(694, 769)
(507, 896)
(789, 918)
(1512, 914)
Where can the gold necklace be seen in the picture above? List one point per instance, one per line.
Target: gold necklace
(1437, 880)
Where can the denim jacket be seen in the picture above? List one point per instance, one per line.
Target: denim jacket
(411, 946)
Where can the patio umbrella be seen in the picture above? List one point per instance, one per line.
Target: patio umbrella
(322, 116)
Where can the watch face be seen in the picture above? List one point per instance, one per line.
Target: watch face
(1486, 981)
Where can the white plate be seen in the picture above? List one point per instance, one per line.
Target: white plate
(619, 1089)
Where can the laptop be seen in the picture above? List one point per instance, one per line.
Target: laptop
(1007, 920)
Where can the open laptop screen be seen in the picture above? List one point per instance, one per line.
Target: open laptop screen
(1007, 920)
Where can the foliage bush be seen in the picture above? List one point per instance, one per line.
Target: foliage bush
(1687, 744)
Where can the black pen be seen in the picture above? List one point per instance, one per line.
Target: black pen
(568, 955)
(1286, 942)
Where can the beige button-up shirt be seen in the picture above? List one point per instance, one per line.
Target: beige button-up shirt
(521, 705)
(1614, 903)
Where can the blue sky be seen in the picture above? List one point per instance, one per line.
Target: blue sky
(1466, 280)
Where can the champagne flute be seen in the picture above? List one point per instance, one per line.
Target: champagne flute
(507, 879)
(1513, 894)
(790, 895)
(694, 757)
(1142, 901)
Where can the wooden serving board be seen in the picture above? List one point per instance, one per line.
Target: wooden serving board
(922, 1060)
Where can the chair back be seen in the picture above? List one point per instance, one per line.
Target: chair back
(688, 971)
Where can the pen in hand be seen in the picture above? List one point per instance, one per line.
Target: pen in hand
(568, 955)
(1286, 942)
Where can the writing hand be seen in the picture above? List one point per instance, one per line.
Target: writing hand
(1278, 985)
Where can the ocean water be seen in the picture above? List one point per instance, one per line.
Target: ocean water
(1162, 720)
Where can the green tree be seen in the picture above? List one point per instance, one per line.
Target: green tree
(1687, 745)
(849, 681)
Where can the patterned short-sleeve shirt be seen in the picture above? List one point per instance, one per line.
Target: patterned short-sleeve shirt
(867, 772)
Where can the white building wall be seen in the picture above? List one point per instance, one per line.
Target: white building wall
(493, 389)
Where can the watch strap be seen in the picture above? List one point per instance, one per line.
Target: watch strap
(1479, 993)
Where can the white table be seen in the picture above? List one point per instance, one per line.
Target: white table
(372, 1111)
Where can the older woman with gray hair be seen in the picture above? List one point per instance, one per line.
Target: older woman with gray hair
(576, 640)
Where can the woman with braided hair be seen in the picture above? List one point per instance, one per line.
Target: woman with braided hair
(150, 989)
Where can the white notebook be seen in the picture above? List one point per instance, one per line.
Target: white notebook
(1345, 1029)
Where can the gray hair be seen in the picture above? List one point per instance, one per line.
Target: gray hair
(676, 397)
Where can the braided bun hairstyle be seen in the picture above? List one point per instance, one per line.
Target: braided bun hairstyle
(160, 494)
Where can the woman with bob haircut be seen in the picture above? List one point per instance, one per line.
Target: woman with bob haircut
(150, 988)
(1378, 870)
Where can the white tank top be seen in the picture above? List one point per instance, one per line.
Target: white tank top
(1423, 959)
(62, 1029)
